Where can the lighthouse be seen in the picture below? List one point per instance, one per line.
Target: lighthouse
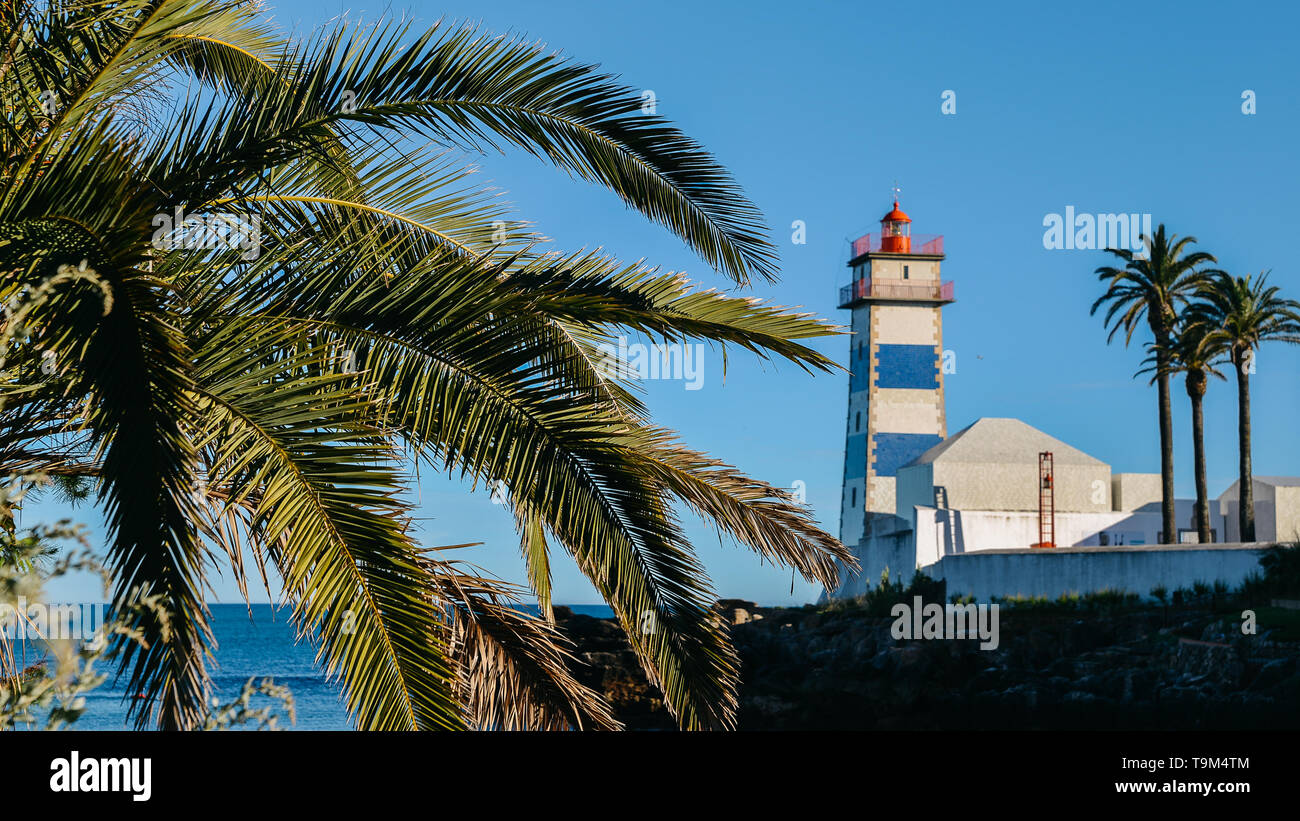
(969, 508)
(896, 403)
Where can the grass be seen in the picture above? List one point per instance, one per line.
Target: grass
(1102, 600)
(1280, 578)
(1284, 624)
(879, 601)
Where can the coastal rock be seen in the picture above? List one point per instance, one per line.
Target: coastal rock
(738, 611)
(838, 668)
(1272, 673)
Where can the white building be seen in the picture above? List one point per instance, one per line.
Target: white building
(915, 498)
(978, 490)
(1277, 509)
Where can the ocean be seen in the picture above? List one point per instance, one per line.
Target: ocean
(262, 646)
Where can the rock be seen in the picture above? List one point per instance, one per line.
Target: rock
(1139, 685)
(737, 611)
(1021, 696)
(1109, 684)
(1220, 662)
(1080, 697)
(1060, 667)
(840, 668)
(1287, 692)
(1272, 673)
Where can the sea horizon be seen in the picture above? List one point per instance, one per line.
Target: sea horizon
(257, 647)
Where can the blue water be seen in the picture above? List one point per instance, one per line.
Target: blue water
(262, 646)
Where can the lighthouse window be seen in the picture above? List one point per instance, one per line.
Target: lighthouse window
(905, 272)
(859, 350)
(857, 422)
(854, 503)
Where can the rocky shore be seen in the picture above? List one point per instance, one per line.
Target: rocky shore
(840, 668)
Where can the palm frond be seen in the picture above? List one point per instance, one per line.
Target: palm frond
(326, 515)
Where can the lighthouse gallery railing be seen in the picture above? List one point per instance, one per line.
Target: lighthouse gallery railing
(873, 289)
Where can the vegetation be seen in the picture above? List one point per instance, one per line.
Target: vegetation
(1195, 352)
(880, 600)
(53, 696)
(1198, 318)
(1101, 601)
(1280, 577)
(1154, 287)
(1240, 313)
(240, 303)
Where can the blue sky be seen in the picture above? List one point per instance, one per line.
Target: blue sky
(817, 108)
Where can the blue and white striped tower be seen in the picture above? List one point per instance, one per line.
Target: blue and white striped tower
(896, 409)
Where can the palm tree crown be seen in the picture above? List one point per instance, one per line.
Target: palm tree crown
(1245, 311)
(1242, 312)
(272, 386)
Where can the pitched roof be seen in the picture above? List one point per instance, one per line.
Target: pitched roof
(1270, 481)
(1279, 481)
(992, 440)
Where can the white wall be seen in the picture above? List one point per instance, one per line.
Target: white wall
(1053, 573)
(1014, 486)
(1130, 491)
(948, 532)
(892, 268)
(934, 538)
(888, 545)
(1277, 512)
(913, 487)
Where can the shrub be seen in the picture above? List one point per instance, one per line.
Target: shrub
(1282, 569)
(880, 601)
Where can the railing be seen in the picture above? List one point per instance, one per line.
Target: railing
(921, 244)
(867, 289)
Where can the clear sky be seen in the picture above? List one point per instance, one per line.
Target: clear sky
(818, 107)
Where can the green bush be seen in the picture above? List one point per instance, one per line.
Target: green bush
(881, 600)
(1282, 569)
(1102, 600)
(1280, 577)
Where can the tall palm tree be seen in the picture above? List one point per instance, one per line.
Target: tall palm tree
(1153, 286)
(1194, 351)
(368, 310)
(1244, 312)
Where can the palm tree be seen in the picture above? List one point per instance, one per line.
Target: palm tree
(252, 313)
(1244, 311)
(1193, 351)
(1153, 286)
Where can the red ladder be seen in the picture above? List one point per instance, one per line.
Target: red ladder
(1046, 501)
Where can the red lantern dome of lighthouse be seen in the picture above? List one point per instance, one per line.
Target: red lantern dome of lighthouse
(896, 215)
(896, 232)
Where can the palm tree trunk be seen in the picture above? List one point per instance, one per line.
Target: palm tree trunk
(1246, 484)
(1166, 458)
(1198, 448)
